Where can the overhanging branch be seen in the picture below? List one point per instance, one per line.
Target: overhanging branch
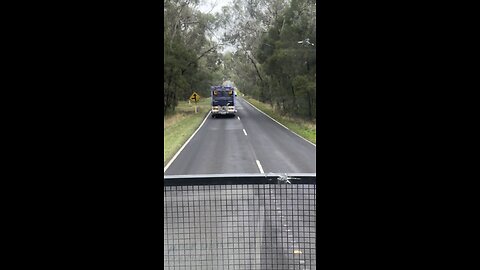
(253, 62)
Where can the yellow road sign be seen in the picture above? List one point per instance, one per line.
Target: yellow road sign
(195, 97)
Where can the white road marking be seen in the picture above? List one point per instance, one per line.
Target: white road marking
(185, 144)
(259, 166)
(280, 123)
(238, 117)
(245, 132)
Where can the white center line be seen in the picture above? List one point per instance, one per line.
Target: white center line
(259, 166)
(238, 117)
(245, 132)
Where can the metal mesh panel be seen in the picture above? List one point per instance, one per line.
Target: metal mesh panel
(244, 226)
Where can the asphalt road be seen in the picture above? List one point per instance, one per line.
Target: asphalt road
(234, 145)
(241, 226)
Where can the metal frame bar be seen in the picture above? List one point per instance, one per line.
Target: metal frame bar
(237, 179)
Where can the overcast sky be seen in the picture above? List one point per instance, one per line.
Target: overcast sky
(214, 6)
(207, 5)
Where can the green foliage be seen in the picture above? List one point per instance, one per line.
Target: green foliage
(274, 60)
(290, 60)
(190, 57)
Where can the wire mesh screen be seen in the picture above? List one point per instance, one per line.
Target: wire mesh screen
(242, 226)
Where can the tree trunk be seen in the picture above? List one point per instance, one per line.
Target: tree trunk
(256, 69)
(310, 115)
(294, 99)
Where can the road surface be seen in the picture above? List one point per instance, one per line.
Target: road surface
(249, 143)
(241, 226)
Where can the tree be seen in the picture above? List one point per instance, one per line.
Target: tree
(274, 61)
(190, 54)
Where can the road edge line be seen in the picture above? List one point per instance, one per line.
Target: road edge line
(280, 123)
(185, 144)
(260, 168)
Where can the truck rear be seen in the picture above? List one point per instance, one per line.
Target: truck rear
(223, 101)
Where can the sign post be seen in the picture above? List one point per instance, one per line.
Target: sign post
(195, 97)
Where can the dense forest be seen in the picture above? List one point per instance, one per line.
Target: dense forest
(273, 57)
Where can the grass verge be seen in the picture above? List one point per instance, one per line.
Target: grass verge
(306, 129)
(180, 125)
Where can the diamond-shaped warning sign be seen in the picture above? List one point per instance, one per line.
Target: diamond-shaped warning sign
(195, 97)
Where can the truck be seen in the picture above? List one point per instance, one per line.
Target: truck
(223, 101)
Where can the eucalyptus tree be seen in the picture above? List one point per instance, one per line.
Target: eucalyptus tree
(190, 53)
(288, 57)
(274, 60)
